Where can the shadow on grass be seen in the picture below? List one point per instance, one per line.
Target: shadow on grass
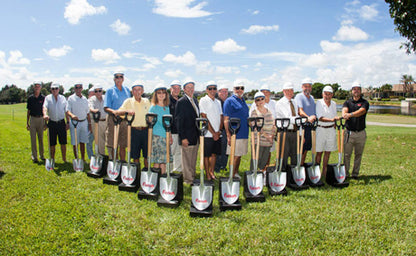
(63, 167)
(368, 179)
(2, 174)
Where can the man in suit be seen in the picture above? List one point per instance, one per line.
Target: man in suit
(186, 112)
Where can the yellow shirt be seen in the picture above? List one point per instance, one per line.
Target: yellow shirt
(140, 109)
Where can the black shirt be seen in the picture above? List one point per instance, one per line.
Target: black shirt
(34, 105)
(172, 107)
(356, 123)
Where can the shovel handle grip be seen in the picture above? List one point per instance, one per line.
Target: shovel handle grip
(259, 123)
(340, 123)
(151, 119)
(96, 116)
(201, 125)
(129, 121)
(116, 119)
(167, 122)
(251, 122)
(314, 124)
(234, 125)
(282, 123)
(74, 122)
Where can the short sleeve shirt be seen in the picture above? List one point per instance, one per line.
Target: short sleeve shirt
(307, 104)
(158, 129)
(34, 104)
(236, 107)
(140, 110)
(356, 123)
(212, 108)
(323, 110)
(78, 106)
(114, 97)
(95, 103)
(56, 108)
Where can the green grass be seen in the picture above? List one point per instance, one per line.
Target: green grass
(63, 212)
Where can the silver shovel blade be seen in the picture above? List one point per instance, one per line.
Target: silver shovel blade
(277, 182)
(314, 173)
(298, 174)
(128, 173)
(255, 183)
(201, 198)
(96, 163)
(49, 164)
(78, 165)
(230, 191)
(339, 173)
(113, 169)
(148, 181)
(168, 188)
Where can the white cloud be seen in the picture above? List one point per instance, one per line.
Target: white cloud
(16, 58)
(328, 46)
(368, 12)
(174, 73)
(136, 41)
(227, 46)
(58, 52)
(285, 56)
(255, 12)
(105, 55)
(350, 33)
(120, 28)
(188, 59)
(130, 55)
(181, 8)
(77, 9)
(256, 29)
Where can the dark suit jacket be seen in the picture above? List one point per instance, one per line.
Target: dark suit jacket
(185, 120)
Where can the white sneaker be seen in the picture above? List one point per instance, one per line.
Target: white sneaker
(237, 176)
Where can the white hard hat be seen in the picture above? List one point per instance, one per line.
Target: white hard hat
(328, 89)
(238, 83)
(288, 86)
(54, 86)
(258, 95)
(175, 82)
(222, 86)
(211, 83)
(265, 87)
(307, 81)
(356, 84)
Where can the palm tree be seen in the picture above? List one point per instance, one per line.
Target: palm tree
(407, 81)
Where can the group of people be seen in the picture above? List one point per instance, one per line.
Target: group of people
(216, 106)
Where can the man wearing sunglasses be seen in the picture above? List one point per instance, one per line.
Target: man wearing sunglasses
(96, 104)
(54, 112)
(236, 106)
(77, 109)
(114, 98)
(211, 109)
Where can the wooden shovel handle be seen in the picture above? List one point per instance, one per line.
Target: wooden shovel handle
(149, 143)
(283, 145)
(167, 147)
(201, 153)
(258, 145)
(278, 145)
(129, 138)
(232, 150)
(253, 149)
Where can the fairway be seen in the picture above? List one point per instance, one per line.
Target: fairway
(63, 212)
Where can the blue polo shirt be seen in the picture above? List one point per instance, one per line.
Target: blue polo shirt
(308, 104)
(114, 98)
(236, 107)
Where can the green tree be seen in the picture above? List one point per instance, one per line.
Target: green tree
(386, 87)
(317, 90)
(403, 13)
(341, 94)
(407, 81)
(12, 94)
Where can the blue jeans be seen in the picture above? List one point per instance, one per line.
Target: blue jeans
(221, 162)
(90, 152)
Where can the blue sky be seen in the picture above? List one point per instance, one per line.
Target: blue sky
(156, 41)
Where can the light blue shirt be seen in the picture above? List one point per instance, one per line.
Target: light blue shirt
(56, 107)
(114, 98)
(158, 129)
(308, 104)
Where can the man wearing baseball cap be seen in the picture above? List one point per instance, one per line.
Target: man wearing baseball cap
(326, 112)
(114, 98)
(354, 112)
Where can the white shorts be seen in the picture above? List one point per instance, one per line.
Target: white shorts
(326, 139)
(241, 147)
(82, 132)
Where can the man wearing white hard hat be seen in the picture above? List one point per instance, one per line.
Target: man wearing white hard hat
(222, 159)
(236, 106)
(211, 109)
(175, 90)
(354, 111)
(326, 112)
(90, 152)
(96, 104)
(306, 107)
(77, 109)
(34, 120)
(286, 107)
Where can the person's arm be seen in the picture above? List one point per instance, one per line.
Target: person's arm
(27, 120)
(45, 110)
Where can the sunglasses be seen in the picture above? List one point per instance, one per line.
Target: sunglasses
(212, 88)
(98, 91)
(54, 88)
(118, 77)
(239, 88)
(78, 87)
(259, 99)
(161, 92)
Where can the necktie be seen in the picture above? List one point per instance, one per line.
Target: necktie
(193, 105)
(292, 108)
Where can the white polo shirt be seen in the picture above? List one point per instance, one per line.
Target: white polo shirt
(56, 108)
(78, 106)
(212, 108)
(323, 110)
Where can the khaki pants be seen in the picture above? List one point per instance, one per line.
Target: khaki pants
(176, 152)
(189, 156)
(354, 141)
(36, 128)
(102, 127)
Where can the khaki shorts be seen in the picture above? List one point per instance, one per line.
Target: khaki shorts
(109, 133)
(241, 147)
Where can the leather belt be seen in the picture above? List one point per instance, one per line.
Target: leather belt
(331, 126)
(140, 128)
(36, 115)
(102, 119)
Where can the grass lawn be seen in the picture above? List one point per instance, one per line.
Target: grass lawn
(63, 212)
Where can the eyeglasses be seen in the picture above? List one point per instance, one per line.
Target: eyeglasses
(118, 77)
(98, 91)
(212, 88)
(54, 88)
(161, 92)
(259, 99)
(78, 87)
(239, 88)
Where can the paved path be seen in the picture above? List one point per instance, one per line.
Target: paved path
(388, 124)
